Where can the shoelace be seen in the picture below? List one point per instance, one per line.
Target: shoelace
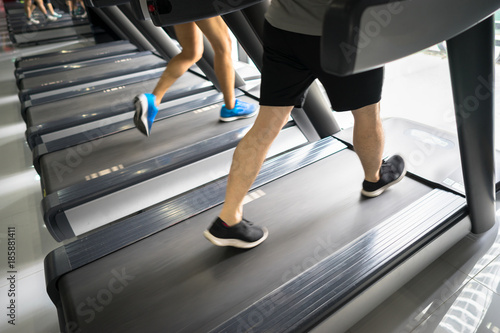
(388, 169)
(246, 224)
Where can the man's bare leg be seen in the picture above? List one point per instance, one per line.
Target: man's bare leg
(41, 6)
(369, 145)
(368, 139)
(248, 158)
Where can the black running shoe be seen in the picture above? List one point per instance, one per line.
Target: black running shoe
(391, 172)
(243, 235)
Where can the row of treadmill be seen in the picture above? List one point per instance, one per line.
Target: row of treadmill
(65, 28)
(130, 209)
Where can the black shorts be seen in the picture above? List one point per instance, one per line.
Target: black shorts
(292, 62)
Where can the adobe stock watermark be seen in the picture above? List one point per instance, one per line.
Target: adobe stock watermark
(95, 304)
(428, 143)
(471, 103)
(432, 312)
(380, 19)
(74, 156)
(265, 309)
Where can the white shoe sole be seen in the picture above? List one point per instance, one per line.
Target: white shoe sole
(234, 242)
(228, 119)
(383, 188)
(141, 117)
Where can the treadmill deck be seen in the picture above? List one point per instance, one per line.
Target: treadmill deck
(176, 281)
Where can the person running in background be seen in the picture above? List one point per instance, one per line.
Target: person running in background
(50, 9)
(74, 6)
(29, 7)
(190, 37)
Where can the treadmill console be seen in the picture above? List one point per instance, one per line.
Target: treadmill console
(171, 12)
(104, 3)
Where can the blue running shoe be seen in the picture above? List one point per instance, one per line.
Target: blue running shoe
(145, 112)
(241, 110)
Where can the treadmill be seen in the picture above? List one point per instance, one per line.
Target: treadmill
(124, 29)
(22, 34)
(12, 8)
(77, 110)
(48, 122)
(88, 71)
(166, 150)
(19, 23)
(153, 271)
(24, 64)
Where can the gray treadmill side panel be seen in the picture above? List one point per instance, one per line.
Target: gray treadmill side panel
(366, 34)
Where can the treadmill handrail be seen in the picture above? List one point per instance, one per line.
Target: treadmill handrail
(361, 35)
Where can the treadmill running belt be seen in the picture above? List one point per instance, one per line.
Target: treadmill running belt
(20, 27)
(176, 281)
(69, 112)
(66, 167)
(51, 36)
(75, 76)
(73, 55)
